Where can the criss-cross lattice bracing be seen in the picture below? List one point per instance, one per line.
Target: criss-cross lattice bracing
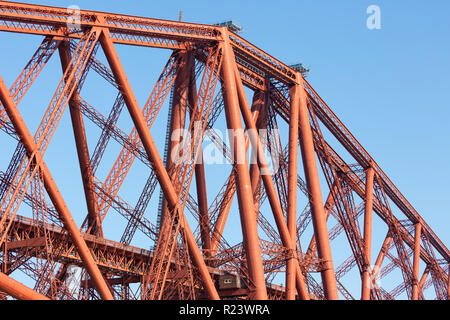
(254, 193)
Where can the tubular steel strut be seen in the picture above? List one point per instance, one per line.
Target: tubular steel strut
(193, 255)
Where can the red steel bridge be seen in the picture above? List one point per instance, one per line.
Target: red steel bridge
(328, 196)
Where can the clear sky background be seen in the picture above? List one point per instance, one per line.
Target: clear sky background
(390, 87)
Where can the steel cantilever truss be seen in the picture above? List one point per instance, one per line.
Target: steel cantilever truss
(289, 234)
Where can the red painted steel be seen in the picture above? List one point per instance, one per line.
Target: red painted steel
(18, 290)
(211, 71)
(246, 204)
(368, 234)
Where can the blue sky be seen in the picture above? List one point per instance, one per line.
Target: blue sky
(390, 87)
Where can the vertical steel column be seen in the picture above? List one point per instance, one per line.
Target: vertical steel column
(177, 122)
(259, 111)
(292, 189)
(416, 263)
(245, 197)
(318, 212)
(268, 183)
(255, 174)
(52, 190)
(94, 223)
(254, 178)
(200, 180)
(153, 154)
(200, 177)
(17, 290)
(365, 295)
